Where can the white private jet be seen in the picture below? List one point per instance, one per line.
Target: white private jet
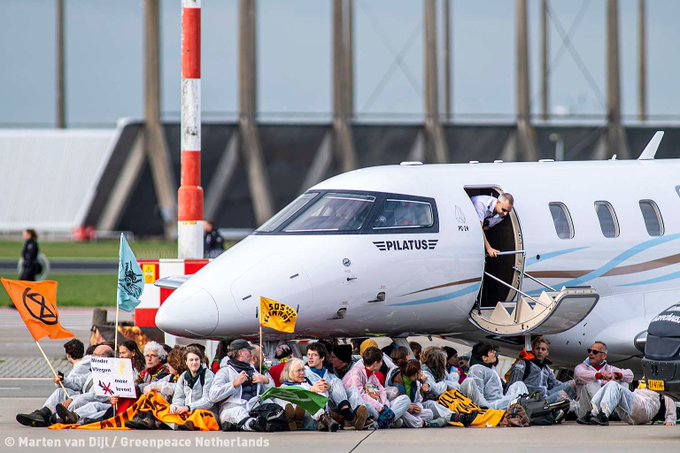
(591, 252)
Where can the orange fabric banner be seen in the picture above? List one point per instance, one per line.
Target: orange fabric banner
(153, 402)
(36, 303)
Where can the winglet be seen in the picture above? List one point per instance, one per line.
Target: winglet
(171, 282)
(650, 150)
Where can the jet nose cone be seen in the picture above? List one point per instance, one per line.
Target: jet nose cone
(189, 311)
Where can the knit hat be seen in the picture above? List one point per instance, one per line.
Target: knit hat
(343, 352)
(369, 343)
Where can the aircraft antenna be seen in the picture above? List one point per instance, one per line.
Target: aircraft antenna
(650, 150)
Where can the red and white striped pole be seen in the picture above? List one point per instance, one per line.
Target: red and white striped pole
(190, 195)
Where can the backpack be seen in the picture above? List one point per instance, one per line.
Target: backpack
(515, 417)
(537, 409)
(275, 415)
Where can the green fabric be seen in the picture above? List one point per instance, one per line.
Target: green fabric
(309, 401)
(407, 386)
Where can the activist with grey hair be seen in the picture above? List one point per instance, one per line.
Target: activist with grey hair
(592, 374)
(156, 366)
(236, 389)
(193, 387)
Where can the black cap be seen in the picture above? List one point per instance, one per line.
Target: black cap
(237, 345)
(343, 352)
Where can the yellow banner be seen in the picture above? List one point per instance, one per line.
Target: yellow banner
(459, 403)
(152, 402)
(277, 316)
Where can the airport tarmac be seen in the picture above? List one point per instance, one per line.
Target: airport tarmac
(19, 394)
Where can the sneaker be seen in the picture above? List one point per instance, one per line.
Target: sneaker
(585, 420)
(69, 417)
(560, 415)
(326, 423)
(398, 423)
(226, 426)
(439, 422)
(599, 419)
(465, 419)
(142, 421)
(187, 426)
(360, 418)
(290, 417)
(36, 419)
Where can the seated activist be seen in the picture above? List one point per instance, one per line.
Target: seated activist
(156, 368)
(165, 386)
(176, 364)
(283, 353)
(363, 379)
(354, 412)
(592, 374)
(407, 379)
(533, 368)
(416, 348)
(73, 382)
(193, 386)
(128, 349)
(387, 363)
(293, 375)
(342, 360)
(638, 407)
(483, 384)
(220, 354)
(87, 407)
(453, 364)
(434, 369)
(236, 389)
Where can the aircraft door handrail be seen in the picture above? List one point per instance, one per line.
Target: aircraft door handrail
(516, 289)
(535, 280)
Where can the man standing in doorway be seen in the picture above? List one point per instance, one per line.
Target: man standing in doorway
(491, 211)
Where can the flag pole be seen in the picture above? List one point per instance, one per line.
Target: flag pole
(260, 322)
(115, 335)
(61, 384)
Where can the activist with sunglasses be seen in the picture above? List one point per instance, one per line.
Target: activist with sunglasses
(593, 373)
(492, 211)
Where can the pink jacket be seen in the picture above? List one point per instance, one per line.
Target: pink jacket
(356, 378)
(584, 373)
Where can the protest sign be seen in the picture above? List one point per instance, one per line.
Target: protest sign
(113, 377)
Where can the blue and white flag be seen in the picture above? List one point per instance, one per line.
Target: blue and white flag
(130, 278)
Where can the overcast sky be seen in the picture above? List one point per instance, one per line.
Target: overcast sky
(105, 52)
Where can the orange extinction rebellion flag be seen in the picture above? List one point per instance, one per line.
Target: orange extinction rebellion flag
(36, 303)
(277, 316)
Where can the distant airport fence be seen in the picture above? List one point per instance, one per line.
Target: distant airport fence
(58, 181)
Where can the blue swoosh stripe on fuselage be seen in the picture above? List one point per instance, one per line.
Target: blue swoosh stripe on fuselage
(663, 278)
(461, 292)
(614, 262)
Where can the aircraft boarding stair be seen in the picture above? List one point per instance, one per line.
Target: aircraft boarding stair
(551, 313)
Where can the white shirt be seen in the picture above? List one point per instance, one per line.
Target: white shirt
(485, 205)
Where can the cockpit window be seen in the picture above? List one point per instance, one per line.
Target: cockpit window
(404, 214)
(333, 212)
(287, 212)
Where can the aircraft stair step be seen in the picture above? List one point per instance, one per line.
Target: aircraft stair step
(554, 312)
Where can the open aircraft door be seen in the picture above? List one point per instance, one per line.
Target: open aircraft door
(502, 307)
